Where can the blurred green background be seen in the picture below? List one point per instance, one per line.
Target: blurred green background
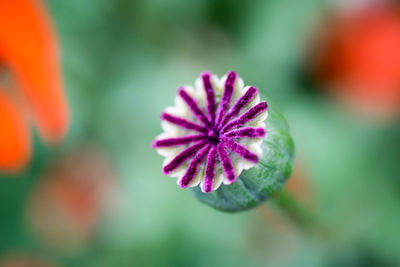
(123, 61)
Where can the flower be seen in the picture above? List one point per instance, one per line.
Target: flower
(357, 56)
(23, 258)
(71, 198)
(213, 133)
(28, 62)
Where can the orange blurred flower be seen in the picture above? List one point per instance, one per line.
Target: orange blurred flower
(29, 55)
(25, 259)
(69, 200)
(358, 57)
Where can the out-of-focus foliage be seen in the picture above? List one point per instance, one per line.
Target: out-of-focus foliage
(123, 61)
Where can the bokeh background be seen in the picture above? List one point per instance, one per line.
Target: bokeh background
(99, 199)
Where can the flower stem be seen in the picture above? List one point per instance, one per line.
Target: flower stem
(301, 215)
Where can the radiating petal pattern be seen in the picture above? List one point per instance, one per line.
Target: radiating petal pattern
(222, 129)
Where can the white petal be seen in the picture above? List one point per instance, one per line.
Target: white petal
(198, 177)
(217, 181)
(166, 151)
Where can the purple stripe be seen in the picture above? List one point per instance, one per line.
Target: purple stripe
(210, 170)
(245, 117)
(226, 163)
(227, 95)
(194, 167)
(239, 104)
(168, 142)
(183, 156)
(239, 149)
(210, 96)
(249, 132)
(183, 123)
(194, 107)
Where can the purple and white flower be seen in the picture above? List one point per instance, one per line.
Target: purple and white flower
(213, 133)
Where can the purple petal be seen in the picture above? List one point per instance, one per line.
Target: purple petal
(239, 149)
(239, 104)
(194, 167)
(226, 163)
(183, 156)
(210, 170)
(183, 123)
(210, 96)
(194, 107)
(245, 117)
(168, 142)
(227, 95)
(249, 132)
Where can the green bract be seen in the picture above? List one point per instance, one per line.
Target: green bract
(257, 184)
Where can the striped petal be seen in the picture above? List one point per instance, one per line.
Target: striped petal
(227, 95)
(245, 117)
(183, 123)
(210, 96)
(192, 104)
(194, 167)
(239, 149)
(210, 170)
(248, 132)
(239, 104)
(226, 163)
(168, 142)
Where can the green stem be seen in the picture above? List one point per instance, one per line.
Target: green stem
(300, 214)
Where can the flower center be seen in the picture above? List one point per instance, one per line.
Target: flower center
(213, 136)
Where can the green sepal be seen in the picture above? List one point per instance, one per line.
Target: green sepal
(259, 183)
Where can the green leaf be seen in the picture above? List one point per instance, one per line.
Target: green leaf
(257, 184)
